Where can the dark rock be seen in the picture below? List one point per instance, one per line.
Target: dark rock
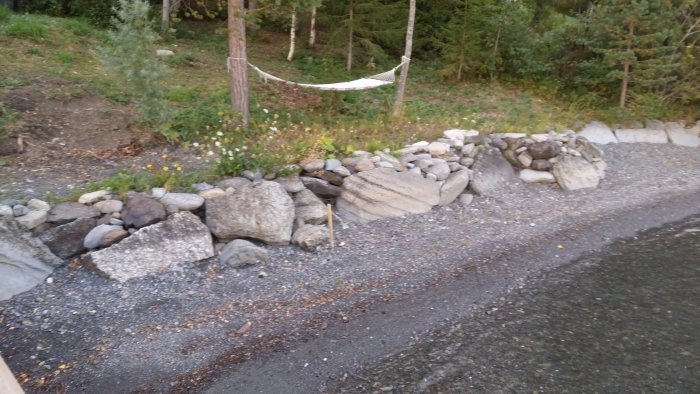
(320, 187)
(241, 253)
(498, 143)
(67, 240)
(331, 177)
(541, 165)
(141, 211)
(544, 150)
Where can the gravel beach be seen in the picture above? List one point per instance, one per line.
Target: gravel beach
(182, 331)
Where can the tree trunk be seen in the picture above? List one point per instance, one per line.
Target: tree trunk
(165, 21)
(463, 42)
(292, 36)
(400, 90)
(312, 30)
(626, 68)
(238, 60)
(350, 33)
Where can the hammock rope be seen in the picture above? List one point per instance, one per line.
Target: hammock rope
(370, 82)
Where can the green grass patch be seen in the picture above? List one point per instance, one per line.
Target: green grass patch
(27, 28)
(5, 14)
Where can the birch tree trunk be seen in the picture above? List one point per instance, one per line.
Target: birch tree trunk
(238, 61)
(401, 89)
(350, 33)
(165, 21)
(292, 35)
(626, 68)
(312, 30)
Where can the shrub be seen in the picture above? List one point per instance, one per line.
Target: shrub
(5, 14)
(26, 28)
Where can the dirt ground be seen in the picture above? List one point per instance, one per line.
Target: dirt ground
(67, 136)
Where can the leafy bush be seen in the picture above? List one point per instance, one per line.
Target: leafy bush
(78, 26)
(5, 14)
(98, 12)
(131, 57)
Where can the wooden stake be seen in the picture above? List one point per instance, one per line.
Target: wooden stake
(8, 384)
(330, 225)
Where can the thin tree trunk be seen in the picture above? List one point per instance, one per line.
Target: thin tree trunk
(401, 89)
(350, 33)
(462, 42)
(312, 30)
(626, 69)
(238, 60)
(292, 36)
(165, 21)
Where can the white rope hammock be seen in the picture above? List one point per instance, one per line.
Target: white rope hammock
(370, 82)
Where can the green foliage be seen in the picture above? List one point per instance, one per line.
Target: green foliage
(5, 14)
(98, 12)
(131, 57)
(8, 119)
(26, 28)
(79, 27)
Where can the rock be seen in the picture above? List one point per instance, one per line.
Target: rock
(241, 253)
(252, 175)
(141, 211)
(309, 208)
(654, 124)
(165, 246)
(694, 130)
(38, 205)
(321, 187)
(532, 176)
(93, 239)
(364, 165)
(466, 199)
(235, 183)
(455, 166)
(200, 187)
(573, 173)
(32, 219)
(539, 137)
(421, 144)
(113, 236)
(19, 210)
(498, 143)
(90, 198)
(328, 176)
(491, 173)
(158, 192)
(598, 133)
(541, 165)
(396, 163)
(332, 164)
(468, 149)
(310, 236)
(183, 201)
(292, 184)
(589, 151)
(600, 167)
(211, 193)
(383, 192)
(455, 184)
(440, 170)
(454, 134)
(67, 240)
(678, 136)
(525, 159)
(261, 211)
(6, 211)
(311, 165)
(342, 171)
(69, 211)
(438, 148)
(544, 150)
(109, 206)
(164, 53)
(641, 135)
(24, 260)
(466, 161)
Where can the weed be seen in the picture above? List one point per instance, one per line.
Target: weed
(79, 27)
(25, 27)
(181, 94)
(10, 82)
(64, 57)
(5, 14)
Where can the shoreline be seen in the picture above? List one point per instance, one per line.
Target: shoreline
(169, 333)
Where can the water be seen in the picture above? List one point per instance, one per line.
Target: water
(625, 320)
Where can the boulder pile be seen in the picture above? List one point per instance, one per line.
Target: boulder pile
(150, 233)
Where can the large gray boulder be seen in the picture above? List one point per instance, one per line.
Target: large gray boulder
(455, 184)
(166, 246)
(384, 192)
(492, 173)
(598, 133)
(24, 260)
(261, 211)
(573, 173)
(67, 240)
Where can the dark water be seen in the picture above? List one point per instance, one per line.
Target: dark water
(624, 321)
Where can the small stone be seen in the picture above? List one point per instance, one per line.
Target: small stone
(38, 205)
(455, 166)
(310, 236)
(498, 143)
(32, 219)
(94, 237)
(384, 164)
(441, 171)
(466, 161)
(364, 165)
(466, 198)
(116, 222)
(539, 137)
(142, 211)
(309, 208)
(311, 165)
(109, 206)
(164, 53)
(69, 211)
(332, 164)
(342, 171)
(236, 183)
(541, 165)
(532, 176)
(158, 192)
(6, 211)
(112, 237)
(89, 198)
(292, 184)
(200, 187)
(421, 144)
(321, 187)
(241, 253)
(454, 134)
(525, 159)
(544, 150)
(431, 177)
(212, 193)
(438, 148)
(468, 149)
(183, 201)
(329, 176)
(20, 210)
(252, 175)
(455, 184)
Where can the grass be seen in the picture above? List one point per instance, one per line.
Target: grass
(287, 123)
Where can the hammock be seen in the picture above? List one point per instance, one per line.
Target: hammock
(371, 82)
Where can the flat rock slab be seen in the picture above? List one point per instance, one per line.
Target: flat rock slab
(261, 211)
(532, 176)
(455, 184)
(67, 240)
(682, 138)
(573, 173)
(492, 172)
(641, 135)
(162, 247)
(24, 261)
(598, 133)
(384, 192)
